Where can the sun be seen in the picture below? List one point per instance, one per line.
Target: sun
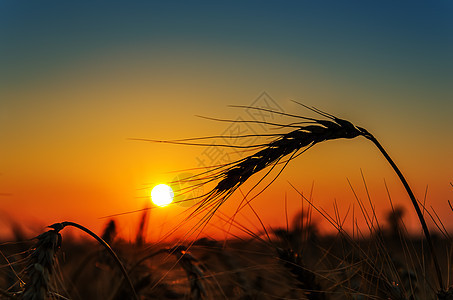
(162, 195)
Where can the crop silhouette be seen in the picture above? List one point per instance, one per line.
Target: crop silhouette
(307, 134)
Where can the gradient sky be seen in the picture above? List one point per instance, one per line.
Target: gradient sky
(78, 79)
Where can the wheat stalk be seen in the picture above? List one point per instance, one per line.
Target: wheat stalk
(308, 133)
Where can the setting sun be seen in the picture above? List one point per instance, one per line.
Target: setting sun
(162, 195)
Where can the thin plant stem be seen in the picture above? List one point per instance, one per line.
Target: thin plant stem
(414, 203)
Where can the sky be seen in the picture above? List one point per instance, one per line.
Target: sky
(80, 80)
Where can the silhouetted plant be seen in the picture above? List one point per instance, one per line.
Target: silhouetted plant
(42, 259)
(308, 133)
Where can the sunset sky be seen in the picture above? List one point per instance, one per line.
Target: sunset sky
(78, 80)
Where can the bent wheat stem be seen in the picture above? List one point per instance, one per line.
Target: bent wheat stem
(233, 175)
(106, 246)
(41, 262)
(370, 137)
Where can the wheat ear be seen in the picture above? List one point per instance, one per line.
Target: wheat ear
(289, 144)
(41, 262)
(41, 265)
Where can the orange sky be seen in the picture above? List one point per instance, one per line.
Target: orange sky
(72, 96)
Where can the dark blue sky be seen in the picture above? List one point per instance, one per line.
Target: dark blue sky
(409, 35)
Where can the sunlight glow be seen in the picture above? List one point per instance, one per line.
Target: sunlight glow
(162, 195)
